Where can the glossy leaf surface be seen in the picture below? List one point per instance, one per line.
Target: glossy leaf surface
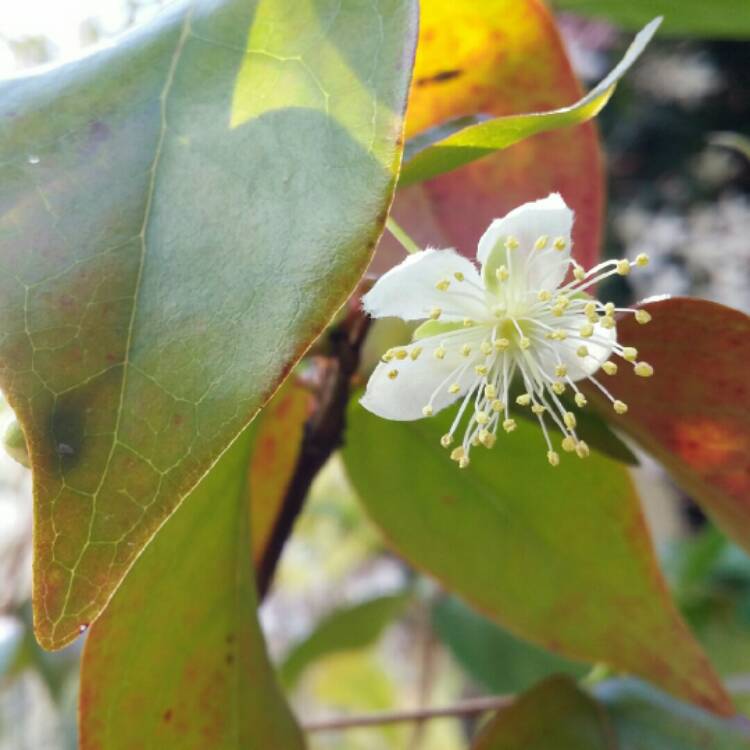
(181, 214)
(481, 139)
(715, 19)
(497, 58)
(178, 660)
(693, 415)
(560, 556)
(555, 714)
(345, 629)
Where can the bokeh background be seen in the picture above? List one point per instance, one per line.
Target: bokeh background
(679, 189)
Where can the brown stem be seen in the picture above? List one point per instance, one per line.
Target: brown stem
(322, 435)
(464, 708)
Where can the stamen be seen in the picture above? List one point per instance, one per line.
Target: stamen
(644, 370)
(435, 313)
(443, 285)
(642, 316)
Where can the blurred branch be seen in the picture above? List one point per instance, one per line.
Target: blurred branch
(463, 708)
(323, 432)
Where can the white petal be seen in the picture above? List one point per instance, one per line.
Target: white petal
(546, 268)
(599, 347)
(409, 291)
(405, 396)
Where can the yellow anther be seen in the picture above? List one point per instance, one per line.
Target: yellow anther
(427, 410)
(561, 371)
(589, 310)
(644, 370)
(558, 388)
(607, 322)
(443, 285)
(642, 316)
(580, 400)
(541, 242)
(620, 406)
(560, 243)
(458, 276)
(630, 353)
(524, 342)
(487, 438)
(502, 273)
(501, 344)
(559, 334)
(563, 301)
(642, 260)
(446, 440)
(553, 458)
(435, 313)
(463, 462)
(490, 391)
(465, 350)
(393, 374)
(480, 370)
(623, 267)
(486, 347)
(415, 352)
(509, 425)
(468, 322)
(538, 409)
(570, 420)
(458, 453)
(524, 399)
(587, 330)
(582, 351)
(609, 308)
(578, 273)
(389, 355)
(440, 352)
(610, 368)
(497, 405)
(582, 449)
(402, 354)
(558, 311)
(511, 243)
(544, 296)
(454, 388)
(568, 444)
(481, 417)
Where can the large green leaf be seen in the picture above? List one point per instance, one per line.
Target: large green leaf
(694, 413)
(181, 214)
(494, 657)
(481, 139)
(715, 18)
(177, 660)
(561, 556)
(345, 629)
(555, 715)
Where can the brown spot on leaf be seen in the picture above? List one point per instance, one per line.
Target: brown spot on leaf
(441, 77)
(167, 715)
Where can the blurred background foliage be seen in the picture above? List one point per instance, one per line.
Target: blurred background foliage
(352, 628)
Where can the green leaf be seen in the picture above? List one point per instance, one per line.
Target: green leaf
(693, 415)
(560, 556)
(181, 213)
(715, 19)
(557, 709)
(177, 660)
(14, 443)
(345, 629)
(645, 719)
(484, 138)
(498, 660)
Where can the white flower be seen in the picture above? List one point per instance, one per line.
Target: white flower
(520, 317)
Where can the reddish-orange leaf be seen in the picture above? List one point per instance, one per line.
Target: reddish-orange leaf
(275, 451)
(497, 57)
(694, 413)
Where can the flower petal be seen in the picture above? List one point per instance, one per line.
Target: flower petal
(599, 348)
(409, 290)
(546, 268)
(424, 380)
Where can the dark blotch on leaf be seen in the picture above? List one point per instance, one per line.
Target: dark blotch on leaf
(441, 77)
